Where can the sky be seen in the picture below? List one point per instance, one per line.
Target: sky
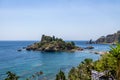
(67, 19)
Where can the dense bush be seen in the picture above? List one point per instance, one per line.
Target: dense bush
(60, 76)
(108, 63)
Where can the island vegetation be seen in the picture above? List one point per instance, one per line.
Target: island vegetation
(52, 44)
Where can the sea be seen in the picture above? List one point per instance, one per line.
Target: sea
(27, 63)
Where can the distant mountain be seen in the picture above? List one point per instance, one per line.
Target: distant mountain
(110, 38)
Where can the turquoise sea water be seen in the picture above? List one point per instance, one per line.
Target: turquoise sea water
(26, 63)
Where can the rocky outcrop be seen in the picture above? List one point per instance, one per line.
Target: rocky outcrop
(19, 50)
(90, 42)
(111, 38)
(89, 47)
(52, 44)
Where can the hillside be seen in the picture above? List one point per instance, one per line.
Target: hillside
(110, 38)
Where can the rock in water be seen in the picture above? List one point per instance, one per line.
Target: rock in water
(91, 42)
(19, 50)
(89, 47)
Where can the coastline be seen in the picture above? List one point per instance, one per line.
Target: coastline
(108, 43)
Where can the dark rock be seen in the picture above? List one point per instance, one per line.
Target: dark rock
(100, 40)
(39, 73)
(24, 47)
(19, 50)
(91, 42)
(89, 47)
(79, 49)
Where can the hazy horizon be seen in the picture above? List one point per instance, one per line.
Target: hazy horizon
(66, 19)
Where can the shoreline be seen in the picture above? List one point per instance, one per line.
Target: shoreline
(108, 43)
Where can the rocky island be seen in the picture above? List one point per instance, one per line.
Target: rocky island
(53, 44)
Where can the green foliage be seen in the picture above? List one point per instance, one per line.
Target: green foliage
(110, 63)
(107, 62)
(60, 76)
(70, 45)
(11, 76)
(82, 72)
(46, 39)
(115, 52)
(53, 38)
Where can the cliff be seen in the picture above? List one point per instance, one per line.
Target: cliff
(52, 44)
(111, 38)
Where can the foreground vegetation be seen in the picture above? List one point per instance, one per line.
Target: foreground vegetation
(109, 64)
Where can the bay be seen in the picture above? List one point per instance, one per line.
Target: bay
(26, 63)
